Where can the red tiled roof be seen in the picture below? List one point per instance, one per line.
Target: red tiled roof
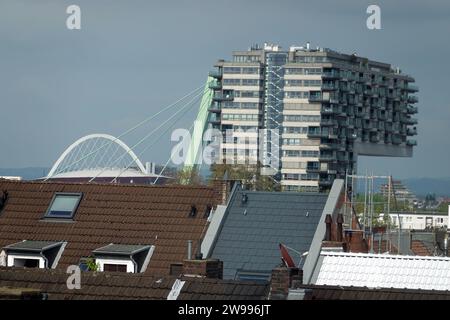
(419, 248)
(106, 285)
(121, 214)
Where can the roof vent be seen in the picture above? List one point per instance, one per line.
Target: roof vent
(3, 199)
(244, 198)
(193, 212)
(207, 211)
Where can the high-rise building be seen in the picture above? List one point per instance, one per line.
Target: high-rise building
(306, 114)
(399, 190)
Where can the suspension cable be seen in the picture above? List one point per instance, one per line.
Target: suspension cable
(149, 134)
(156, 140)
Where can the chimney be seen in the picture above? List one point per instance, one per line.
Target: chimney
(340, 221)
(222, 189)
(209, 268)
(176, 269)
(328, 221)
(281, 281)
(355, 241)
(189, 250)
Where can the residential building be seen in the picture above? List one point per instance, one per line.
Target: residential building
(305, 114)
(52, 285)
(247, 233)
(123, 228)
(399, 191)
(419, 220)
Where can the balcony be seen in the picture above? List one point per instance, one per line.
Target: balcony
(411, 131)
(215, 85)
(327, 157)
(329, 86)
(328, 146)
(222, 97)
(326, 182)
(413, 99)
(343, 122)
(410, 121)
(412, 88)
(342, 157)
(217, 74)
(316, 97)
(214, 119)
(396, 140)
(332, 74)
(412, 110)
(214, 109)
(330, 110)
(374, 138)
(411, 142)
(328, 122)
(312, 167)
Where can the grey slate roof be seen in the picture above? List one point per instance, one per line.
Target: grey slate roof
(251, 232)
(120, 249)
(29, 245)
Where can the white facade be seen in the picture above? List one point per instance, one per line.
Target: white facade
(14, 260)
(123, 262)
(13, 178)
(419, 221)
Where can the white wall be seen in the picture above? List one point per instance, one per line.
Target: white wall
(12, 257)
(102, 262)
(419, 221)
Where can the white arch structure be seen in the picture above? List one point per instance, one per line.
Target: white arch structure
(113, 140)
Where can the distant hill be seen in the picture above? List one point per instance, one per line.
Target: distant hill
(423, 186)
(26, 173)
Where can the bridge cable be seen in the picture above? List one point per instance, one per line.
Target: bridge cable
(149, 134)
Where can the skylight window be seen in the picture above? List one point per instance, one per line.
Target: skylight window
(63, 205)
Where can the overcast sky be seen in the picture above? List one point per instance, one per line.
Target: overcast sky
(131, 58)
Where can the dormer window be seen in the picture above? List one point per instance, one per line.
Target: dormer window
(34, 254)
(123, 258)
(63, 205)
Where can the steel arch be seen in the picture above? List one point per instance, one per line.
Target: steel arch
(96, 136)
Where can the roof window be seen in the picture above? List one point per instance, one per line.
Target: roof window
(63, 205)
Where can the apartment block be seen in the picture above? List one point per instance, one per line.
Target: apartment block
(305, 114)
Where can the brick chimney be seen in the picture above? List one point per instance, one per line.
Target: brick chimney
(282, 280)
(355, 241)
(222, 189)
(209, 268)
(334, 234)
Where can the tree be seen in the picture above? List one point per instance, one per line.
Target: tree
(249, 175)
(189, 176)
(91, 264)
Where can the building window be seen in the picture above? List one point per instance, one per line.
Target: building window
(114, 267)
(63, 205)
(26, 263)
